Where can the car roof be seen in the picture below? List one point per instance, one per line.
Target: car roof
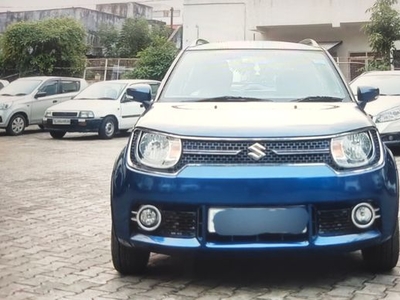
(274, 45)
(48, 77)
(382, 73)
(131, 81)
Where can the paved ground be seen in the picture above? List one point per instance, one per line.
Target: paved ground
(55, 236)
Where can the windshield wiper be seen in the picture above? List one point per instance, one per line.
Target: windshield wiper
(105, 98)
(232, 99)
(20, 94)
(389, 94)
(319, 99)
(6, 95)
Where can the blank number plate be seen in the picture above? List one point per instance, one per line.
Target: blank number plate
(61, 121)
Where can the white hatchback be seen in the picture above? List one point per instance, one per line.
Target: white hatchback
(24, 101)
(104, 107)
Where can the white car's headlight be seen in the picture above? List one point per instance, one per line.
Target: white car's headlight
(388, 115)
(353, 150)
(86, 114)
(4, 106)
(158, 151)
(48, 114)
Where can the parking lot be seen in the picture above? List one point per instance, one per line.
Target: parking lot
(55, 239)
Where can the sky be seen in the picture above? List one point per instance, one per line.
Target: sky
(17, 5)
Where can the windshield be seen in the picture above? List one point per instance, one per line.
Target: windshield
(20, 87)
(387, 84)
(103, 90)
(255, 75)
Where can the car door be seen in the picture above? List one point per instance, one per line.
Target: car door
(46, 96)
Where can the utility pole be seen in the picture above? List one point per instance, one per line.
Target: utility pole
(172, 16)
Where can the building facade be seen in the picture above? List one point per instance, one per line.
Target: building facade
(335, 24)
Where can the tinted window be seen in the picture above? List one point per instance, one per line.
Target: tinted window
(70, 86)
(278, 75)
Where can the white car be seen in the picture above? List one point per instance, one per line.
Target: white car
(3, 83)
(385, 111)
(104, 107)
(24, 101)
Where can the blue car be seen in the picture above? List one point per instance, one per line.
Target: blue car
(254, 147)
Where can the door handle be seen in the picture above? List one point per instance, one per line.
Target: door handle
(54, 101)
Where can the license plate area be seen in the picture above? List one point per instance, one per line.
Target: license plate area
(257, 221)
(61, 121)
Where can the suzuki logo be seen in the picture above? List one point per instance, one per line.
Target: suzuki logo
(256, 151)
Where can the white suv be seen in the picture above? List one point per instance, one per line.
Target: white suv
(24, 101)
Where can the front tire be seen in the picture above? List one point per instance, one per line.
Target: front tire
(383, 257)
(17, 125)
(58, 135)
(128, 260)
(107, 128)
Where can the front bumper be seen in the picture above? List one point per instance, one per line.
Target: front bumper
(389, 132)
(186, 198)
(76, 125)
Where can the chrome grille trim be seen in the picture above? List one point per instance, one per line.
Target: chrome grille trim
(323, 151)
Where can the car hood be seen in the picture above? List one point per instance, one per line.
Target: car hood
(8, 99)
(381, 104)
(77, 105)
(251, 119)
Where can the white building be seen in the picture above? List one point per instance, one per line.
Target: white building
(335, 24)
(162, 10)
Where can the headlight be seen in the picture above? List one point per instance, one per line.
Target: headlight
(352, 150)
(86, 114)
(158, 151)
(388, 115)
(48, 114)
(4, 106)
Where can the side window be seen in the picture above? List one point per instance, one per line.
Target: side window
(50, 87)
(154, 89)
(70, 86)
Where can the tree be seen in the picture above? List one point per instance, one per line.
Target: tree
(382, 31)
(109, 37)
(134, 36)
(47, 47)
(155, 60)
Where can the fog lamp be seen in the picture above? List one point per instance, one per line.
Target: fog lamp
(363, 215)
(148, 217)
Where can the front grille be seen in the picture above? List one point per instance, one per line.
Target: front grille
(221, 152)
(260, 238)
(335, 222)
(64, 114)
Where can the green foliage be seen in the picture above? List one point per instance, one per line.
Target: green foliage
(134, 36)
(49, 46)
(382, 30)
(109, 37)
(155, 60)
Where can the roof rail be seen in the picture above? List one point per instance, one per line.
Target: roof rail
(309, 42)
(199, 42)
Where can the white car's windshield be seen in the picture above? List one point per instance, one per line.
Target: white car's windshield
(103, 90)
(20, 87)
(389, 85)
(254, 75)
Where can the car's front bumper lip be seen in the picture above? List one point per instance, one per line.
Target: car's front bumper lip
(77, 125)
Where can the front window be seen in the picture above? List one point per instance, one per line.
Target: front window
(20, 87)
(270, 75)
(388, 85)
(102, 91)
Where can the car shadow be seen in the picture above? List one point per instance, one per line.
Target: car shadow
(91, 136)
(280, 271)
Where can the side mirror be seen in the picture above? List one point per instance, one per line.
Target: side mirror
(40, 94)
(140, 93)
(127, 98)
(366, 94)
